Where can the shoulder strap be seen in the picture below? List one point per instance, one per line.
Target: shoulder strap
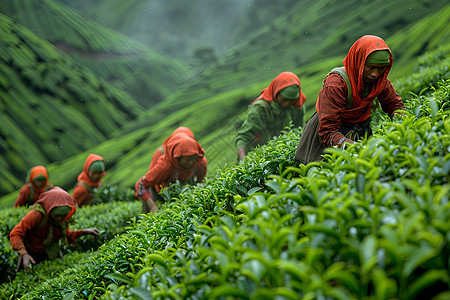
(40, 209)
(87, 186)
(341, 71)
(31, 195)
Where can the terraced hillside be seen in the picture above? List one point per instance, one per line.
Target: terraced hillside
(123, 62)
(310, 39)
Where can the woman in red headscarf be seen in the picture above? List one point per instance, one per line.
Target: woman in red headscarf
(279, 104)
(89, 179)
(345, 101)
(180, 158)
(36, 237)
(37, 183)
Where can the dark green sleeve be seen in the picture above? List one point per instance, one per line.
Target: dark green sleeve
(253, 124)
(297, 116)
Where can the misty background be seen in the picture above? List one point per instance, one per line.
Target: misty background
(188, 30)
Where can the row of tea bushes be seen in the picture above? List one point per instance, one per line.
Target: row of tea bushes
(431, 68)
(177, 225)
(371, 221)
(42, 273)
(109, 218)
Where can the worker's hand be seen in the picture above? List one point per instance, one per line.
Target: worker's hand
(242, 152)
(151, 204)
(91, 231)
(140, 188)
(26, 260)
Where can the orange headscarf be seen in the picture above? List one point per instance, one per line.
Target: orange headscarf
(84, 175)
(182, 143)
(354, 65)
(282, 81)
(38, 171)
(57, 197)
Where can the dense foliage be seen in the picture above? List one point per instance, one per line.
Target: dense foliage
(109, 218)
(103, 59)
(370, 221)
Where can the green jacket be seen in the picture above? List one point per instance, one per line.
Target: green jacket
(264, 121)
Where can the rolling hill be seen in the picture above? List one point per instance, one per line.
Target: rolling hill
(309, 40)
(146, 75)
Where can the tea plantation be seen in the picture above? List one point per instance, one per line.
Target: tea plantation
(369, 222)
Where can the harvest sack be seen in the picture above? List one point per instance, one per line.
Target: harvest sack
(310, 148)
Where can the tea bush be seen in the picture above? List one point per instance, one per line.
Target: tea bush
(370, 221)
(109, 218)
(106, 193)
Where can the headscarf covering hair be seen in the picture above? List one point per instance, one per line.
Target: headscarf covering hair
(182, 143)
(61, 210)
(84, 177)
(57, 197)
(378, 57)
(291, 92)
(282, 81)
(97, 165)
(354, 65)
(38, 172)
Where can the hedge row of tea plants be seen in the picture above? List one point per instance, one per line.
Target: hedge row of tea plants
(370, 221)
(109, 218)
(431, 68)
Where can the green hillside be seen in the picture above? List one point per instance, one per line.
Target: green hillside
(51, 108)
(309, 40)
(213, 103)
(127, 64)
(369, 222)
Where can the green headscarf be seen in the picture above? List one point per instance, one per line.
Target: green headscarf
(61, 210)
(97, 165)
(291, 92)
(378, 57)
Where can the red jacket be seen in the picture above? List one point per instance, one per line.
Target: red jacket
(166, 169)
(30, 188)
(332, 98)
(28, 235)
(81, 193)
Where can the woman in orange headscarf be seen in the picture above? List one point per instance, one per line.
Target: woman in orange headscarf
(279, 104)
(89, 179)
(36, 237)
(180, 158)
(37, 183)
(345, 101)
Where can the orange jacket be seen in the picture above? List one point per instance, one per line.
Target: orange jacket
(82, 195)
(166, 169)
(30, 189)
(29, 235)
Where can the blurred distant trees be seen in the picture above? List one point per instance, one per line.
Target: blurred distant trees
(204, 56)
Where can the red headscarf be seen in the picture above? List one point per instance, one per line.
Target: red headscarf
(84, 175)
(354, 65)
(282, 81)
(57, 197)
(182, 143)
(38, 171)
